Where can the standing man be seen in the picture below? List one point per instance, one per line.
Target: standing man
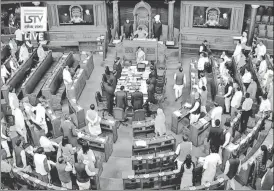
(252, 89)
(68, 129)
(238, 52)
(121, 98)
(203, 93)
(261, 49)
(232, 167)
(157, 27)
(201, 63)
(40, 118)
(19, 36)
(19, 157)
(5, 137)
(83, 174)
(246, 112)
(42, 167)
(150, 92)
(216, 113)
(196, 109)
(180, 80)
(204, 48)
(128, 29)
(64, 170)
(236, 102)
(137, 100)
(67, 78)
(182, 150)
(215, 136)
(109, 94)
(228, 95)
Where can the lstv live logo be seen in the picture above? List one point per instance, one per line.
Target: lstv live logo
(34, 36)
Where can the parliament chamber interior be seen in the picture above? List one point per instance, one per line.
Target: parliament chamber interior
(125, 95)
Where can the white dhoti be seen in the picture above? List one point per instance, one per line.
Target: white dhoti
(193, 118)
(178, 90)
(94, 129)
(5, 146)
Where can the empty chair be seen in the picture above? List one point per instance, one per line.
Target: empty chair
(269, 27)
(262, 34)
(120, 115)
(262, 26)
(159, 90)
(139, 115)
(270, 34)
(101, 102)
(265, 19)
(160, 82)
(271, 20)
(258, 18)
(129, 111)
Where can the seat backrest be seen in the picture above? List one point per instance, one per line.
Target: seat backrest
(271, 20)
(139, 115)
(258, 18)
(270, 34)
(118, 114)
(98, 97)
(265, 19)
(269, 27)
(262, 26)
(262, 33)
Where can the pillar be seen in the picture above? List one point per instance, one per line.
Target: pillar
(170, 20)
(116, 24)
(252, 24)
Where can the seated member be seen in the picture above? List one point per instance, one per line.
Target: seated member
(196, 109)
(150, 92)
(121, 98)
(137, 99)
(141, 34)
(140, 55)
(93, 121)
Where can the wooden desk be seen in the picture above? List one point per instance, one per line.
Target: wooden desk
(154, 51)
(143, 128)
(78, 84)
(18, 78)
(151, 163)
(78, 113)
(180, 120)
(100, 144)
(154, 145)
(39, 185)
(110, 126)
(87, 65)
(199, 131)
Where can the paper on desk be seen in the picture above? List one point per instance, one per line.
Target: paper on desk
(188, 105)
(110, 121)
(203, 121)
(145, 62)
(80, 135)
(141, 143)
(177, 113)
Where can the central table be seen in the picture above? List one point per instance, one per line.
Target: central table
(132, 80)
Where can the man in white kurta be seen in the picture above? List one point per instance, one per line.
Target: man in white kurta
(210, 167)
(93, 121)
(261, 50)
(237, 52)
(40, 118)
(67, 79)
(23, 54)
(140, 55)
(19, 124)
(41, 53)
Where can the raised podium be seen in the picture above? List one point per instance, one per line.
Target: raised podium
(180, 120)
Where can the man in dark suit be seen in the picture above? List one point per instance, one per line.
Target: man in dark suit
(157, 27)
(152, 78)
(150, 92)
(109, 89)
(121, 98)
(215, 136)
(112, 80)
(117, 67)
(137, 99)
(128, 29)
